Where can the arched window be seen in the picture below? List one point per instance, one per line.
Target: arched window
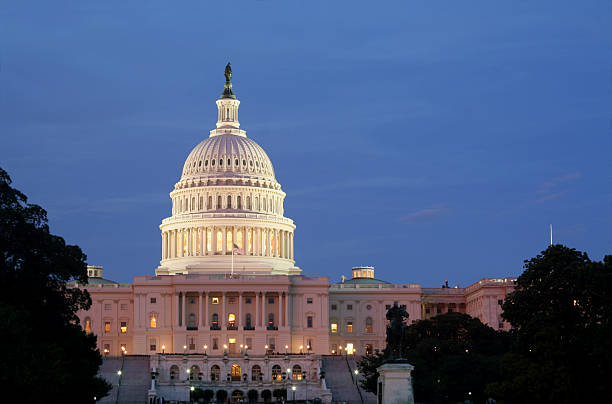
(209, 205)
(194, 373)
(255, 373)
(193, 205)
(236, 373)
(256, 207)
(173, 372)
(87, 325)
(219, 200)
(153, 320)
(229, 163)
(296, 372)
(248, 203)
(276, 372)
(229, 201)
(238, 202)
(215, 373)
(368, 325)
(264, 203)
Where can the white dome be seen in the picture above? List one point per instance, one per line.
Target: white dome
(228, 156)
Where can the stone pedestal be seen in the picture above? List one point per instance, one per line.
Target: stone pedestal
(395, 383)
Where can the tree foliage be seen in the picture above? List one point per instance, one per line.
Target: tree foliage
(561, 309)
(453, 355)
(45, 352)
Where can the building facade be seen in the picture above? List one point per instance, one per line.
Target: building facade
(227, 283)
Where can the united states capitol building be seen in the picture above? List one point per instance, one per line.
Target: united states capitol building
(228, 303)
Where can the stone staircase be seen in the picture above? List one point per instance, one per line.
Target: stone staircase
(133, 385)
(340, 380)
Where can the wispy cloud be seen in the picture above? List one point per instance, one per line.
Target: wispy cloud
(425, 215)
(554, 184)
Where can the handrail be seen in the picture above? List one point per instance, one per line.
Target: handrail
(351, 373)
(119, 382)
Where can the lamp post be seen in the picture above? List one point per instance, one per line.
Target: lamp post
(184, 348)
(293, 388)
(356, 374)
(205, 348)
(163, 349)
(286, 349)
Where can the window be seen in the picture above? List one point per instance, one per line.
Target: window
(387, 306)
(153, 320)
(248, 320)
(403, 306)
(427, 310)
(309, 345)
(215, 373)
(87, 326)
(309, 300)
(249, 343)
(192, 343)
(334, 327)
(191, 300)
(276, 372)
(229, 202)
(349, 327)
(334, 307)
(247, 300)
(215, 344)
(349, 307)
(271, 319)
(296, 372)
(438, 310)
(270, 300)
(255, 373)
(153, 300)
(368, 325)
(309, 322)
(152, 345)
(107, 326)
(123, 306)
(215, 300)
(236, 162)
(106, 349)
(500, 302)
(271, 344)
(173, 372)
(107, 306)
(231, 319)
(215, 319)
(450, 310)
(236, 373)
(124, 348)
(123, 327)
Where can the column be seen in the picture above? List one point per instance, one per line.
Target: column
(177, 322)
(257, 310)
(291, 246)
(203, 241)
(239, 309)
(224, 241)
(200, 304)
(287, 309)
(163, 245)
(263, 310)
(206, 299)
(233, 238)
(279, 322)
(184, 316)
(222, 321)
(245, 240)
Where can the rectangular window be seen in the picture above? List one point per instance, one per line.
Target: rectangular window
(270, 300)
(427, 310)
(123, 306)
(387, 306)
(500, 302)
(334, 327)
(334, 307)
(271, 344)
(247, 300)
(107, 326)
(124, 348)
(215, 300)
(106, 349)
(349, 327)
(215, 344)
(309, 322)
(107, 306)
(309, 300)
(334, 348)
(153, 300)
(123, 327)
(450, 310)
(349, 307)
(191, 343)
(231, 300)
(249, 342)
(153, 345)
(438, 310)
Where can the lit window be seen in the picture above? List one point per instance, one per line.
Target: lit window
(208, 235)
(88, 326)
(334, 327)
(368, 325)
(107, 326)
(153, 321)
(215, 300)
(229, 234)
(219, 237)
(232, 340)
(349, 327)
(123, 327)
(231, 319)
(124, 348)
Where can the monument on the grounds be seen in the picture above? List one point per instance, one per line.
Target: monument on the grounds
(394, 380)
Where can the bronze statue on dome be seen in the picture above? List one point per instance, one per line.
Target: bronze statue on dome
(396, 331)
(228, 72)
(227, 88)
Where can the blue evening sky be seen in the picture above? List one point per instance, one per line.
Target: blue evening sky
(434, 140)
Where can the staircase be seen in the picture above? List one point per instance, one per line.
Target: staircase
(340, 381)
(133, 385)
(367, 397)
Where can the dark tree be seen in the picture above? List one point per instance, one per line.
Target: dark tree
(561, 309)
(208, 395)
(221, 396)
(453, 355)
(46, 355)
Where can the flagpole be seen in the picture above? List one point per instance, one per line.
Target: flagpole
(551, 241)
(232, 274)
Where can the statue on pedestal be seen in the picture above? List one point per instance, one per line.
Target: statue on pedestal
(396, 331)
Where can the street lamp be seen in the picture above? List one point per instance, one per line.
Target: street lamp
(184, 348)
(286, 348)
(293, 388)
(205, 348)
(119, 372)
(301, 348)
(356, 371)
(192, 388)
(163, 349)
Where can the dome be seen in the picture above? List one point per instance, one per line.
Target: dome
(228, 156)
